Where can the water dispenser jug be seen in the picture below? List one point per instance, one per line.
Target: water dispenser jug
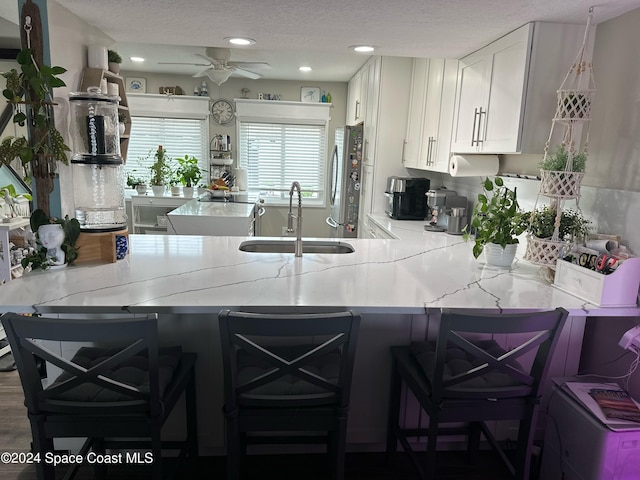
(98, 171)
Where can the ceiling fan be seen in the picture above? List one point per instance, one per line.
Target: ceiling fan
(220, 67)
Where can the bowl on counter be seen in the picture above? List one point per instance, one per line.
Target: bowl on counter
(218, 193)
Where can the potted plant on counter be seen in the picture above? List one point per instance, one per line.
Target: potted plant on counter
(160, 172)
(189, 174)
(497, 221)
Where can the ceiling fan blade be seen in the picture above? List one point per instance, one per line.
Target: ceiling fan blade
(202, 73)
(211, 60)
(247, 73)
(185, 63)
(251, 65)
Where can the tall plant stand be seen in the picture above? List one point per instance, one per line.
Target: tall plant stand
(572, 119)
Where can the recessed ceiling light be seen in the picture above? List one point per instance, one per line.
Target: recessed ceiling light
(136, 59)
(240, 41)
(363, 48)
(304, 69)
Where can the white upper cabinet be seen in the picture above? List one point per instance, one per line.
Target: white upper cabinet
(357, 97)
(371, 109)
(413, 138)
(428, 133)
(506, 94)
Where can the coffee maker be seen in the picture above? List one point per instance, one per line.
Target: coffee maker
(406, 198)
(448, 211)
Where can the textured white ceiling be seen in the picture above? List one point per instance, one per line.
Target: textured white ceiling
(290, 32)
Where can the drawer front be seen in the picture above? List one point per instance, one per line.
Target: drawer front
(579, 281)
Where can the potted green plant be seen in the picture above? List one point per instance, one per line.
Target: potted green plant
(497, 223)
(189, 173)
(556, 180)
(138, 183)
(30, 91)
(160, 172)
(114, 60)
(543, 248)
(55, 239)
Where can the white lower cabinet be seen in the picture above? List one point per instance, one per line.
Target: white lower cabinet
(149, 213)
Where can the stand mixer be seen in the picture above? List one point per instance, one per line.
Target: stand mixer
(448, 211)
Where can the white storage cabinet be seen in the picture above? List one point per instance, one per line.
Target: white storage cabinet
(147, 210)
(507, 90)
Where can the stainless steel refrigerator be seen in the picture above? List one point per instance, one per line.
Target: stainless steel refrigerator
(344, 182)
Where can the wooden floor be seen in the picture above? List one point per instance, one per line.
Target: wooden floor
(15, 436)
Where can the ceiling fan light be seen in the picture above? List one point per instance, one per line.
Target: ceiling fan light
(218, 76)
(240, 41)
(363, 48)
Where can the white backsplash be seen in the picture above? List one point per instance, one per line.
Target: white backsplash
(611, 211)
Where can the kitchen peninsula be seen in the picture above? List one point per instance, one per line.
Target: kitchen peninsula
(398, 286)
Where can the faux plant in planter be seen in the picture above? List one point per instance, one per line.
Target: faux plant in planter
(541, 223)
(496, 219)
(114, 60)
(543, 247)
(188, 171)
(558, 161)
(46, 255)
(160, 171)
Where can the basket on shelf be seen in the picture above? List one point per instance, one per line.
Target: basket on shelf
(545, 251)
(560, 184)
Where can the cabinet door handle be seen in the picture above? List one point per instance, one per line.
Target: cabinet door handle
(365, 151)
(357, 110)
(404, 144)
(475, 121)
(429, 151)
(481, 137)
(432, 149)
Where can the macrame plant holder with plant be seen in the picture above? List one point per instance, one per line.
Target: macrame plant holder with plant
(573, 115)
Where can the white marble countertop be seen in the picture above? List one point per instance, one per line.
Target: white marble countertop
(169, 273)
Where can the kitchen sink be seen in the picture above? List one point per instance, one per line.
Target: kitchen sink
(288, 246)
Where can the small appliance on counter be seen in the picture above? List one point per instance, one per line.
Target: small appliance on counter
(406, 198)
(448, 211)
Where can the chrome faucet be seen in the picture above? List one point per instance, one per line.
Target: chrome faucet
(298, 217)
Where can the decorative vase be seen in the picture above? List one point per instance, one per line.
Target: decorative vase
(97, 57)
(114, 67)
(141, 189)
(51, 236)
(122, 247)
(158, 190)
(187, 192)
(497, 256)
(175, 191)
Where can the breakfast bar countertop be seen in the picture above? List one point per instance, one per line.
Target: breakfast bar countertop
(198, 274)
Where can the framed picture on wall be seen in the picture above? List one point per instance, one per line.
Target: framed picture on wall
(310, 94)
(136, 84)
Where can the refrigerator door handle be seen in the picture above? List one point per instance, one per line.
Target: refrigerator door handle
(334, 175)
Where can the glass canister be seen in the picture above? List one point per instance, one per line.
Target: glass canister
(98, 172)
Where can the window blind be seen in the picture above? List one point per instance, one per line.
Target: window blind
(178, 137)
(277, 154)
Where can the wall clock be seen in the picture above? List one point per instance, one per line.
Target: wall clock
(222, 111)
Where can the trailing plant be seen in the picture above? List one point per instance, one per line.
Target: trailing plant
(541, 223)
(496, 216)
(113, 56)
(558, 161)
(161, 169)
(33, 87)
(38, 258)
(188, 171)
